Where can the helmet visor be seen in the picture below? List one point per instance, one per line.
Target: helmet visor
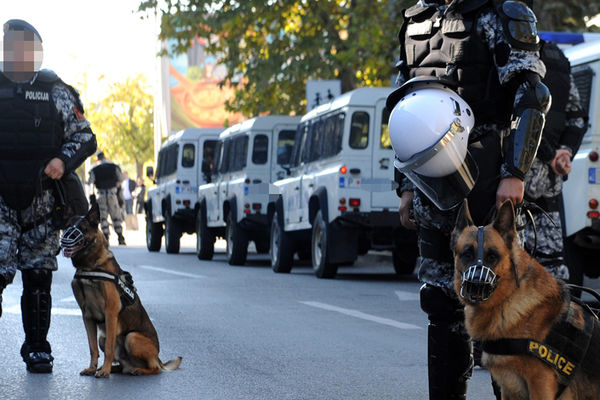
(448, 191)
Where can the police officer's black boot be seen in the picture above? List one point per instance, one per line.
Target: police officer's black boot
(448, 346)
(36, 304)
(121, 239)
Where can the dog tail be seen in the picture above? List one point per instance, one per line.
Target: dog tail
(170, 365)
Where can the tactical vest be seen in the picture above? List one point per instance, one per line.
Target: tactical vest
(31, 133)
(558, 80)
(447, 45)
(105, 176)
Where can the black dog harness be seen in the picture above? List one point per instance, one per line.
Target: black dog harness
(123, 282)
(564, 348)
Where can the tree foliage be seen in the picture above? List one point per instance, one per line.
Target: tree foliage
(272, 47)
(123, 122)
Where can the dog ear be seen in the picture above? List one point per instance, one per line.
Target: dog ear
(93, 215)
(504, 222)
(463, 218)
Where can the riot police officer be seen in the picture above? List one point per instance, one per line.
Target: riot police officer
(566, 123)
(43, 137)
(107, 178)
(485, 53)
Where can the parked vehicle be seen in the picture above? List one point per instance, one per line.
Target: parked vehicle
(170, 204)
(338, 200)
(250, 155)
(581, 192)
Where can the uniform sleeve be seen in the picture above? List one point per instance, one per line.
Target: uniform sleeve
(576, 121)
(79, 142)
(509, 60)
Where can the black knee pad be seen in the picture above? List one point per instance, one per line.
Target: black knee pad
(38, 278)
(439, 306)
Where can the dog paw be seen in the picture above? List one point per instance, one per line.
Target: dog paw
(102, 373)
(136, 371)
(88, 371)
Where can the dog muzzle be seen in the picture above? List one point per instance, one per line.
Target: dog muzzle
(72, 240)
(478, 283)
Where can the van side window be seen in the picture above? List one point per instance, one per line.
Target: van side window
(160, 163)
(316, 140)
(334, 130)
(359, 130)
(384, 138)
(306, 143)
(260, 149)
(299, 144)
(208, 159)
(188, 155)
(238, 154)
(171, 159)
(285, 143)
(224, 163)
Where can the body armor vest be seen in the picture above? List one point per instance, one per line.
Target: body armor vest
(558, 80)
(31, 133)
(446, 44)
(105, 175)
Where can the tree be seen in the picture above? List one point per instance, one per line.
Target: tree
(271, 47)
(123, 122)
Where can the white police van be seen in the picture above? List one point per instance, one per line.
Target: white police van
(581, 191)
(182, 165)
(338, 201)
(250, 155)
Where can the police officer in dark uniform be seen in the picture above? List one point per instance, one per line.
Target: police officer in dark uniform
(107, 178)
(43, 138)
(487, 51)
(566, 123)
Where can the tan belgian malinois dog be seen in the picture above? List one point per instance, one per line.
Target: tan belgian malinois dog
(538, 342)
(112, 311)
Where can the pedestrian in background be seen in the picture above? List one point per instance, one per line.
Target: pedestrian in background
(127, 188)
(140, 194)
(44, 137)
(107, 178)
(566, 123)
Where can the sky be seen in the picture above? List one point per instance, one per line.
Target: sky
(104, 39)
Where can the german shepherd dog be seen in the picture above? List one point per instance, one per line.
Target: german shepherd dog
(112, 311)
(538, 342)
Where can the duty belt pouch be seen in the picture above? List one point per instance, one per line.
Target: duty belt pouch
(70, 199)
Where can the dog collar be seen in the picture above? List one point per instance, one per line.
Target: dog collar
(123, 282)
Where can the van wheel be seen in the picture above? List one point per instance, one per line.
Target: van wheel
(154, 232)
(281, 247)
(205, 240)
(172, 234)
(320, 259)
(262, 245)
(237, 242)
(404, 259)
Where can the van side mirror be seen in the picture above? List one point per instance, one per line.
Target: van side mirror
(150, 171)
(287, 168)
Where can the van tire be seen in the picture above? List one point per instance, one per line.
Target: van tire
(172, 234)
(321, 233)
(282, 256)
(237, 242)
(154, 232)
(205, 240)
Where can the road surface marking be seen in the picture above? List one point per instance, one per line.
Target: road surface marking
(406, 296)
(361, 315)
(16, 309)
(70, 299)
(168, 271)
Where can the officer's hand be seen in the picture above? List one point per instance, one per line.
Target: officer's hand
(406, 205)
(510, 189)
(561, 164)
(55, 168)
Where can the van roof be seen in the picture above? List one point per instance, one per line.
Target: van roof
(263, 123)
(584, 52)
(365, 96)
(192, 134)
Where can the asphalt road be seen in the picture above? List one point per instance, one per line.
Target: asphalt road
(243, 333)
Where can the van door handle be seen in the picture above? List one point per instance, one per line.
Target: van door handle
(297, 188)
(384, 163)
(311, 185)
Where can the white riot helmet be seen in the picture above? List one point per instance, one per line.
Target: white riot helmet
(429, 129)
